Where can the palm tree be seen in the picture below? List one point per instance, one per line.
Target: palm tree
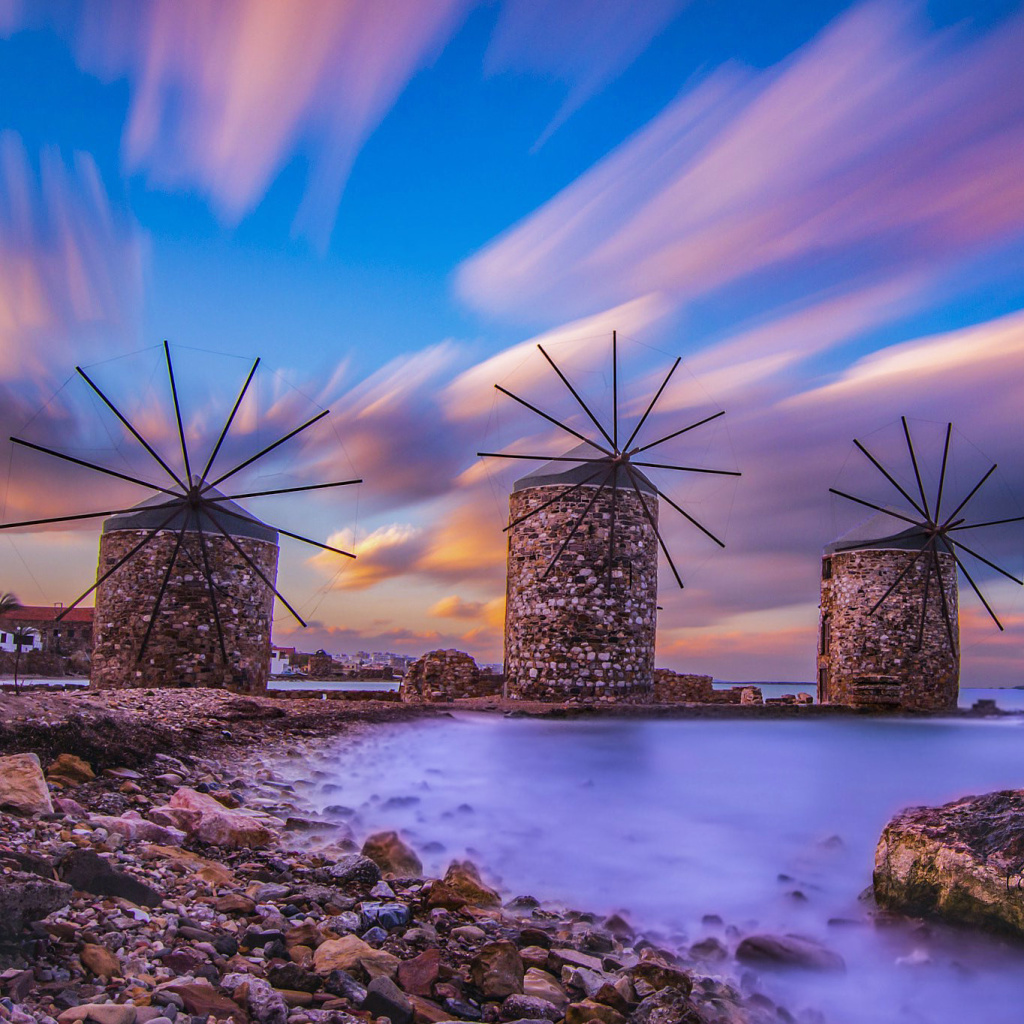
(9, 603)
(22, 636)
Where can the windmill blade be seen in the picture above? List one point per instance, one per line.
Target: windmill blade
(991, 565)
(539, 458)
(981, 596)
(160, 593)
(942, 473)
(575, 394)
(286, 533)
(654, 527)
(991, 522)
(924, 608)
(615, 390)
(228, 422)
(686, 515)
(214, 604)
(558, 497)
(283, 490)
(576, 525)
(687, 469)
(138, 437)
(86, 515)
(899, 579)
(945, 605)
(611, 531)
(177, 413)
(255, 568)
(877, 508)
(676, 433)
(888, 476)
(266, 451)
(93, 465)
(117, 565)
(551, 419)
(917, 471)
(974, 490)
(654, 401)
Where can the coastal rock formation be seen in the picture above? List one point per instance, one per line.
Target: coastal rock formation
(963, 861)
(447, 675)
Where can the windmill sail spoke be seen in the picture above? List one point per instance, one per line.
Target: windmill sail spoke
(917, 471)
(86, 515)
(654, 527)
(163, 589)
(945, 604)
(177, 413)
(575, 394)
(611, 525)
(991, 522)
(991, 565)
(974, 490)
(539, 458)
(283, 490)
(138, 437)
(228, 422)
(877, 508)
(286, 533)
(676, 433)
(266, 451)
(981, 596)
(686, 515)
(551, 419)
(214, 603)
(575, 526)
(654, 401)
(252, 565)
(558, 497)
(615, 390)
(924, 607)
(687, 469)
(93, 465)
(888, 476)
(942, 473)
(899, 579)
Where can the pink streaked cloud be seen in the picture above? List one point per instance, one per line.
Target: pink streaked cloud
(224, 93)
(876, 150)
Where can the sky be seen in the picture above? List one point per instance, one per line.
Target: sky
(819, 206)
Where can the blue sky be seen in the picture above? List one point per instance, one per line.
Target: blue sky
(817, 205)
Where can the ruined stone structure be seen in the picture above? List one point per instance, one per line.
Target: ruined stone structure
(568, 634)
(683, 688)
(884, 659)
(447, 675)
(184, 648)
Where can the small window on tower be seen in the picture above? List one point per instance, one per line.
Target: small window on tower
(826, 568)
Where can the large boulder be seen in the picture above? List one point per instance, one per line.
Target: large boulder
(219, 825)
(26, 897)
(70, 770)
(22, 785)
(460, 887)
(497, 970)
(447, 675)
(963, 862)
(390, 854)
(788, 951)
(89, 872)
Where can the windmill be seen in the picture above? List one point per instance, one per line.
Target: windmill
(584, 534)
(186, 578)
(889, 629)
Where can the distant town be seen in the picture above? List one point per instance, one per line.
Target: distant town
(287, 661)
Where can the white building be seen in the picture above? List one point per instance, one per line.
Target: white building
(7, 641)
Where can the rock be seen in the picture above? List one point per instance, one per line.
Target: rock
(559, 958)
(669, 1006)
(219, 825)
(89, 872)
(70, 770)
(497, 970)
(788, 951)
(417, 976)
(135, 828)
(350, 952)
(460, 887)
(516, 1007)
(659, 973)
(586, 1011)
(100, 961)
(392, 856)
(710, 950)
(468, 933)
(541, 985)
(234, 903)
(425, 1011)
(961, 862)
(385, 915)
(266, 1005)
(26, 897)
(102, 1013)
(354, 868)
(205, 1001)
(22, 786)
(385, 999)
(341, 983)
(292, 976)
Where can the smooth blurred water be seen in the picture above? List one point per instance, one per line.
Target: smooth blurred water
(672, 820)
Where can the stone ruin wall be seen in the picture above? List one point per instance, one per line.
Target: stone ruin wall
(447, 675)
(184, 648)
(870, 660)
(565, 636)
(683, 688)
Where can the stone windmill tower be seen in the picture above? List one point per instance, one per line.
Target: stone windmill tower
(582, 576)
(187, 578)
(889, 623)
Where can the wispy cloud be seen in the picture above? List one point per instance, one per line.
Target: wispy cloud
(874, 151)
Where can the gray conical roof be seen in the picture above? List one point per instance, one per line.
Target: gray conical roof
(883, 532)
(560, 474)
(153, 513)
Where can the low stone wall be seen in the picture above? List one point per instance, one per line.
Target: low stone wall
(687, 688)
(447, 675)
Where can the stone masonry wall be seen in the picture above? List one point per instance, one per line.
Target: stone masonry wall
(447, 675)
(871, 660)
(682, 688)
(566, 635)
(184, 648)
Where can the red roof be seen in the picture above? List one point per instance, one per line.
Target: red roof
(48, 613)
